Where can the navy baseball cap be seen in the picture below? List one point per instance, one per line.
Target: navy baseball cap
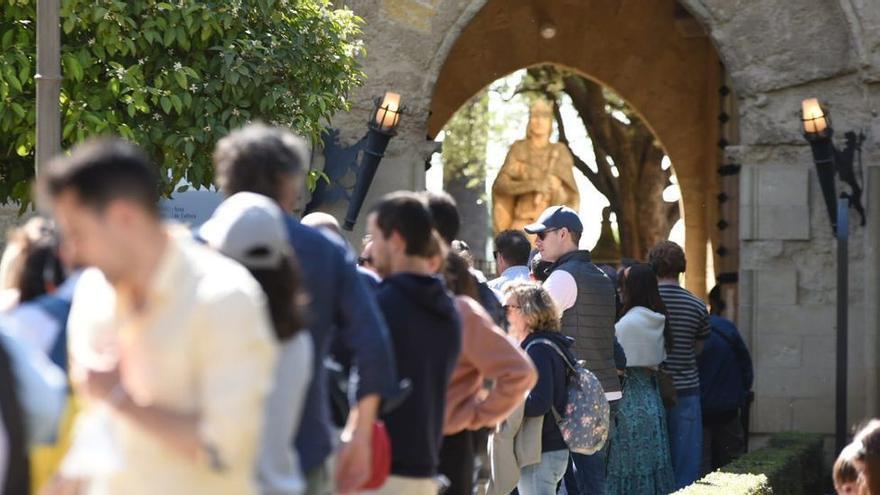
(556, 217)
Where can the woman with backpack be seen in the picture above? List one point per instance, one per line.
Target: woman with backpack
(638, 459)
(542, 454)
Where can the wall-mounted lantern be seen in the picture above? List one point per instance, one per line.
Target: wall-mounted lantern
(341, 161)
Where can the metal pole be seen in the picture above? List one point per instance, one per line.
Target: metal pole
(48, 82)
(377, 142)
(842, 307)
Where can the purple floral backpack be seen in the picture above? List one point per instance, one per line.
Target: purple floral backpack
(586, 419)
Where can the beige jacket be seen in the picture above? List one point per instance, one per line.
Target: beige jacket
(515, 444)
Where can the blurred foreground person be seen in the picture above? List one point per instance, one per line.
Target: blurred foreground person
(170, 341)
(249, 228)
(272, 161)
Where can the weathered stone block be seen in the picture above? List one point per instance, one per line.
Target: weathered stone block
(795, 319)
(771, 414)
(774, 203)
(776, 287)
(805, 382)
(778, 351)
(813, 415)
(819, 351)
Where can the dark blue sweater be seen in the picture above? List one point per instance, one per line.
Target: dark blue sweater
(725, 369)
(426, 335)
(341, 309)
(551, 387)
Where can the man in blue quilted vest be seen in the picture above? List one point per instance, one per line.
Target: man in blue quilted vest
(586, 297)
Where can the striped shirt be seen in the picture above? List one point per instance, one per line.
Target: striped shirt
(689, 322)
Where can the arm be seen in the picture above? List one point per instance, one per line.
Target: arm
(364, 333)
(703, 330)
(540, 400)
(497, 359)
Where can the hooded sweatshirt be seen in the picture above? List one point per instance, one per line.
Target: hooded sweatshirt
(425, 332)
(640, 333)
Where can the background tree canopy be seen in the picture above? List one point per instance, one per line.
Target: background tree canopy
(175, 77)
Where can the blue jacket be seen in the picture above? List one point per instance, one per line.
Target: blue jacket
(342, 309)
(725, 369)
(551, 389)
(426, 334)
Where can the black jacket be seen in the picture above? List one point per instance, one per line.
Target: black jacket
(551, 389)
(425, 334)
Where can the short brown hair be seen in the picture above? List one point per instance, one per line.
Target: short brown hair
(255, 157)
(100, 171)
(536, 304)
(667, 259)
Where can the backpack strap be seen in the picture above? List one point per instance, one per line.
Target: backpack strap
(556, 348)
(552, 345)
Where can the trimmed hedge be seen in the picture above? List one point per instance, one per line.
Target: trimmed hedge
(791, 464)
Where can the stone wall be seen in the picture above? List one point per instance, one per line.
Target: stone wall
(777, 52)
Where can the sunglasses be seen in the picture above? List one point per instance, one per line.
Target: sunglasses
(543, 235)
(508, 306)
(364, 260)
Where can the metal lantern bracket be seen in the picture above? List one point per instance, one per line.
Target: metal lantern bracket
(339, 162)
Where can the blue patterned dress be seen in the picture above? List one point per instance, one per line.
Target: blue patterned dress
(638, 457)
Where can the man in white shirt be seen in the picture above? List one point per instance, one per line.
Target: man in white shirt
(585, 295)
(511, 253)
(170, 341)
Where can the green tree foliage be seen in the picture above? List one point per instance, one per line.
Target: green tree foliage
(175, 76)
(464, 147)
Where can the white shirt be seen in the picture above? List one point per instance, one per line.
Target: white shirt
(563, 289)
(518, 272)
(202, 344)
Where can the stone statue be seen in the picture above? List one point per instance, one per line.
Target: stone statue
(536, 174)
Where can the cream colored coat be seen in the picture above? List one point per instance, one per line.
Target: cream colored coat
(515, 444)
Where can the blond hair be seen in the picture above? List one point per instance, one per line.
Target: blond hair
(536, 304)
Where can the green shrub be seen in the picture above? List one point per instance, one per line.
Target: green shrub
(720, 483)
(174, 76)
(791, 464)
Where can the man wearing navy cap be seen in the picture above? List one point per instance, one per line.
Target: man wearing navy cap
(585, 296)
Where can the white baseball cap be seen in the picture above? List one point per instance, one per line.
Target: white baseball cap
(248, 228)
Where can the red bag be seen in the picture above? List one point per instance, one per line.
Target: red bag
(381, 457)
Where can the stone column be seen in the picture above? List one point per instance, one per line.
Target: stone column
(696, 235)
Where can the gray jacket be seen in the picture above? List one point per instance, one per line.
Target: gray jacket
(591, 320)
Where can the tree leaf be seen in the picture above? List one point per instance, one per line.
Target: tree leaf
(166, 104)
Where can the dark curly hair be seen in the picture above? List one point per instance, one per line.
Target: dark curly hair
(667, 259)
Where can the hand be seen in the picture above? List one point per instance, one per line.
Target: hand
(355, 463)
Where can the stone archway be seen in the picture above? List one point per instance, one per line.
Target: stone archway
(659, 60)
(776, 53)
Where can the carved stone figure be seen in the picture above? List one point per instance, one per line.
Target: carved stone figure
(536, 174)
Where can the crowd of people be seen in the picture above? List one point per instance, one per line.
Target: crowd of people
(258, 354)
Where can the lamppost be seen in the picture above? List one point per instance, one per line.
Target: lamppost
(830, 161)
(48, 82)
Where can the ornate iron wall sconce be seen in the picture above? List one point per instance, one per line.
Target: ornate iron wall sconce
(830, 161)
(340, 161)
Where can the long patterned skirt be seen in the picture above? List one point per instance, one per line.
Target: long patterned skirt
(638, 457)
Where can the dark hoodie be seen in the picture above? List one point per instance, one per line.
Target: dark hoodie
(425, 334)
(551, 387)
